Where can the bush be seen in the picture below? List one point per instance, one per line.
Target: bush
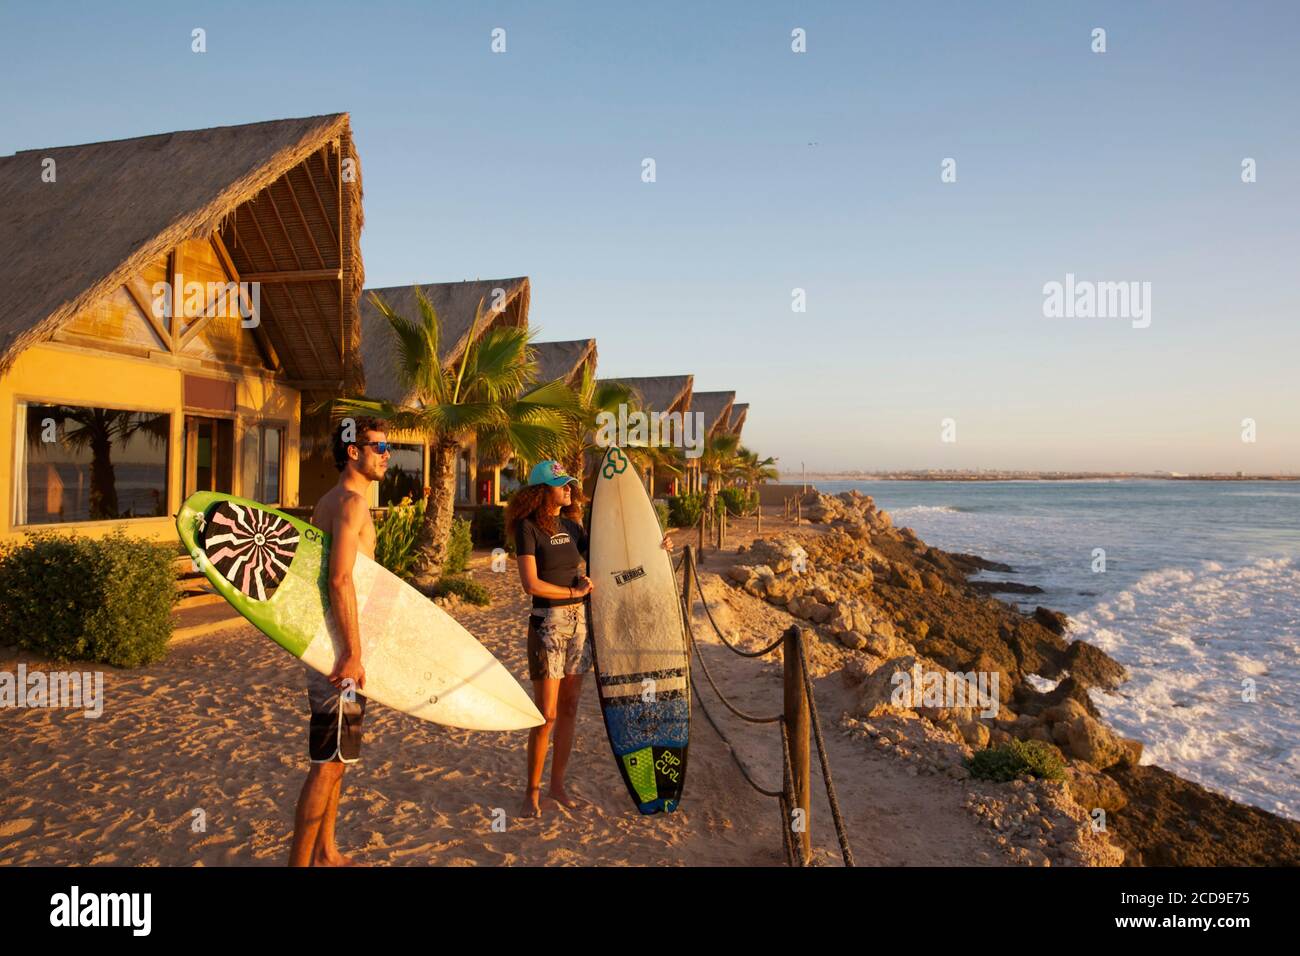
(459, 547)
(738, 501)
(684, 510)
(462, 587)
(661, 512)
(107, 600)
(396, 532)
(1010, 760)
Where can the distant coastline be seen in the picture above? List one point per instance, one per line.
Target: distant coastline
(1024, 476)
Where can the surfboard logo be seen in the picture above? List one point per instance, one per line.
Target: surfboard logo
(631, 574)
(250, 548)
(615, 464)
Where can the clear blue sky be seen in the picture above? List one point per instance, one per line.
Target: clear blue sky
(776, 171)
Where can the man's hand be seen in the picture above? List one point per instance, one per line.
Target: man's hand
(348, 666)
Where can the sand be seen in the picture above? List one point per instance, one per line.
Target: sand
(216, 735)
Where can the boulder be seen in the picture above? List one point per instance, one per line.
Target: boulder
(975, 733)
(1054, 621)
(1090, 741)
(1093, 667)
(1092, 790)
(853, 640)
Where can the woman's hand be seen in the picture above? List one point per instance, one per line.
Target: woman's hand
(584, 587)
(667, 543)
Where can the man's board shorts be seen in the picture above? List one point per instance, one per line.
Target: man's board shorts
(335, 728)
(557, 642)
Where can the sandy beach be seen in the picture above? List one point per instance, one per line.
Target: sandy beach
(220, 727)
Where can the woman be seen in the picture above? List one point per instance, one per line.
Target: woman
(544, 519)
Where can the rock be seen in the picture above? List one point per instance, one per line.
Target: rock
(1132, 752)
(933, 583)
(1054, 621)
(881, 690)
(976, 734)
(1092, 742)
(1066, 711)
(853, 640)
(819, 613)
(920, 629)
(1092, 790)
(1093, 667)
(740, 573)
(905, 577)
(888, 646)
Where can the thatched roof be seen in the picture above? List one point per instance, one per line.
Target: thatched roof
(455, 304)
(660, 393)
(562, 360)
(271, 191)
(738, 413)
(716, 408)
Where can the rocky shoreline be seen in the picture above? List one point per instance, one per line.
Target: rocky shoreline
(882, 605)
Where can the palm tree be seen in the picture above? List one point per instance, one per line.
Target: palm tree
(594, 398)
(753, 471)
(718, 462)
(490, 393)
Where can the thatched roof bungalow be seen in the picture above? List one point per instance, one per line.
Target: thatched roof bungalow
(670, 394)
(171, 303)
(716, 409)
(739, 412)
(504, 302)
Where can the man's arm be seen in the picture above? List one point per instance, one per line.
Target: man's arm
(344, 536)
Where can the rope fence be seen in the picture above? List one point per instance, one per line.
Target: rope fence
(796, 719)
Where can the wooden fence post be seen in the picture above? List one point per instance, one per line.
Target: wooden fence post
(798, 723)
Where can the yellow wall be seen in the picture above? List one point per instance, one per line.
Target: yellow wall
(65, 374)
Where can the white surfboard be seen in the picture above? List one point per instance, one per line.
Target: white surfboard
(273, 568)
(638, 637)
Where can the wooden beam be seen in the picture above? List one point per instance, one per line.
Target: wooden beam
(140, 295)
(294, 275)
(320, 206)
(306, 226)
(270, 257)
(263, 341)
(311, 289)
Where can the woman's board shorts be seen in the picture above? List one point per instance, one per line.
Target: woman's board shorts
(557, 642)
(335, 728)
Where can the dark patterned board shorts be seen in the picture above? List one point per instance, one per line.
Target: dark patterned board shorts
(335, 727)
(558, 645)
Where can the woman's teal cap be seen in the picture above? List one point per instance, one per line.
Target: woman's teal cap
(549, 473)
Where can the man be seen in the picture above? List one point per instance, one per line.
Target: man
(337, 711)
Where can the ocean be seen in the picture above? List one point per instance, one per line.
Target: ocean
(1197, 593)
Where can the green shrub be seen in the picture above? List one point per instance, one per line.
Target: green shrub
(738, 501)
(684, 510)
(459, 547)
(396, 533)
(107, 600)
(1010, 760)
(464, 588)
(661, 511)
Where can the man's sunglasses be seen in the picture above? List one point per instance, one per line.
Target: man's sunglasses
(381, 447)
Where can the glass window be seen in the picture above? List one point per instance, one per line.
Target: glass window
(261, 465)
(404, 477)
(91, 464)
